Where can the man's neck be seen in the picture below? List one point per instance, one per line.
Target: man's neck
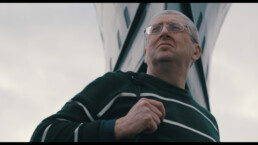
(175, 76)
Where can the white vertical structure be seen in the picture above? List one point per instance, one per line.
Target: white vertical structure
(122, 25)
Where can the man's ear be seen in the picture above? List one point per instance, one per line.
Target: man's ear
(145, 57)
(197, 52)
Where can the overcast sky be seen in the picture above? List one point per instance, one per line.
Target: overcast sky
(233, 86)
(50, 52)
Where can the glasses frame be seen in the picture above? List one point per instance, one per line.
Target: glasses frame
(149, 27)
(185, 26)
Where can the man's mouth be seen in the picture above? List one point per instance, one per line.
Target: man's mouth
(165, 44)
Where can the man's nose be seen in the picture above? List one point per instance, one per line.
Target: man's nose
(164, 31)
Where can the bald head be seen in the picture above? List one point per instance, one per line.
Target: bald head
(192, 27)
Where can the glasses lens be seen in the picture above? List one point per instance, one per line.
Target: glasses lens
(171, 27)
(155, 29)
(175, 27)
(148, 30)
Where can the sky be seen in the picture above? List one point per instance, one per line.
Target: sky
(233, 87)
(50, 52)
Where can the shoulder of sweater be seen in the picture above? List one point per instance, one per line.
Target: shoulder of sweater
(109, 81)
(120, 74)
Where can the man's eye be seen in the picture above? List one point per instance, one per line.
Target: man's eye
(155, 29)
(175, 28)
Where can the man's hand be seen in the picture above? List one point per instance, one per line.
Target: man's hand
(144, 116)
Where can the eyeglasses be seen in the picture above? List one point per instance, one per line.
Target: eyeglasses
(171, 27)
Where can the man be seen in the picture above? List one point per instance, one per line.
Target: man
(128, 106)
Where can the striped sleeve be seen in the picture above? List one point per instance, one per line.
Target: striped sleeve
(74, 123)
(77, 121)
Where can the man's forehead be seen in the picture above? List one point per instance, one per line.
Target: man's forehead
(167, 18)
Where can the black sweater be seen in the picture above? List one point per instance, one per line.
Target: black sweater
(90, 115)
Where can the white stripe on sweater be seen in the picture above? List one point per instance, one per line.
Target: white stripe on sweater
(76, 133)
(85, 110)
(62, 119)
(189, 128)
(124, 94)
(179, 102)
(45, 133)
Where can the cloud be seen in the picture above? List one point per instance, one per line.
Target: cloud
(48, 53)
(233, 87)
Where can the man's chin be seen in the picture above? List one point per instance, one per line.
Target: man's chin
(164, 59)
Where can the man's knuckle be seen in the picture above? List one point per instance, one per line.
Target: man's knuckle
(144, 103)
(160, 104)
(147, 117)
(146, 110)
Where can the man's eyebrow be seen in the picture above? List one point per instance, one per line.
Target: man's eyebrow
(161, 23)
(155, 24)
